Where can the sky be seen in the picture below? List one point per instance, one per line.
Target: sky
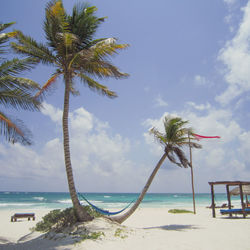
(189, 59)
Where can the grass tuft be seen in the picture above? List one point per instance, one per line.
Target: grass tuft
(179, 211)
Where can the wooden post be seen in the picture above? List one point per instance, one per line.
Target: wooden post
(242, 200)
(192, 174)
(212, 196)
(229, 199)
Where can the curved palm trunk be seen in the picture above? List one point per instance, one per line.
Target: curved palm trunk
(123, 217)
(81, 214)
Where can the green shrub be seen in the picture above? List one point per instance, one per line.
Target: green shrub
(179, 211)
(59, 219)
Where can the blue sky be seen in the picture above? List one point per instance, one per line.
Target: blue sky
(186, 58)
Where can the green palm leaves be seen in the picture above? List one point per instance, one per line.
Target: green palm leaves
(71, 47)
(15, 92)
(175, 136)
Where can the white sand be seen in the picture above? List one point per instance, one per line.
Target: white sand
(146, 229)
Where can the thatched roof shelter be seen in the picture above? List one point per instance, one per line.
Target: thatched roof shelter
(245, 189)
(228, 184)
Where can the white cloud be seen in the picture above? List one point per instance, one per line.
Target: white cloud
(200, 80)
(236, 58)
(230, 2)
(244, 148)
(98, 158)
(81, 121)
(159, 102)
(199, 107)
(55, 114)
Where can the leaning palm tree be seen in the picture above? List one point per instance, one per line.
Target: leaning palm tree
(15, 91)
(74, 53)
(173, 139)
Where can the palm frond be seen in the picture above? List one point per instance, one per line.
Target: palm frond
(4, 26)
(28, 46)
(171, 157)
(158, 136)
(95, 86)
(19, 99)
(4, 37)
(47, 87)
(84, 24)
(25, 84)
(86, 61)
(195, 145)
(181, 156)
(17, 66)
(103, 69)
(174, 129)
(14, 130)
(56, 26)
(107, 47)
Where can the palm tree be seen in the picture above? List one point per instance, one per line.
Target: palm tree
(173, 139)
(74, 53)
(15, 92)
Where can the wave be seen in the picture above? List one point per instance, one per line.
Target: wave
(39, 198)
(67, 201)
(106, 196)
(115, 205)
(15, 204)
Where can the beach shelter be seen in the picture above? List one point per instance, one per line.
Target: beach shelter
(245, 190)
(228, 184)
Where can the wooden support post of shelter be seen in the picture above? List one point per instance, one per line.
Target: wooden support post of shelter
(228, 199)
(213, 204)
(240, 184)
(242, 201)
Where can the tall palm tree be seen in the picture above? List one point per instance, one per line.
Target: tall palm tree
(74, 53)
(15, 92)
(173, 139)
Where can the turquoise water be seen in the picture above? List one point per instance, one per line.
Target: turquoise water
(22, 200)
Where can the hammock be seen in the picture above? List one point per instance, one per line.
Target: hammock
(102, 211)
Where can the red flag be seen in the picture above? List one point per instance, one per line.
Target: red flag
(199, 137)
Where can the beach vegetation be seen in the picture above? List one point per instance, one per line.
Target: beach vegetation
(57, 220)
(92, 236)
(173, 139)
(15, 91)
(74, 52)
(119, 232)
(179, 211)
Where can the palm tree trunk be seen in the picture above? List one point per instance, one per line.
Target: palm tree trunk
(81, 214)
(123, 217)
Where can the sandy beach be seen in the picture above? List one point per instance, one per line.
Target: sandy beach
(146, 229)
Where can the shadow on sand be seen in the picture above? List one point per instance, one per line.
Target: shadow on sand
(36, 243)
(174, 227)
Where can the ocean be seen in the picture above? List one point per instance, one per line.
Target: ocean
(53, 200)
